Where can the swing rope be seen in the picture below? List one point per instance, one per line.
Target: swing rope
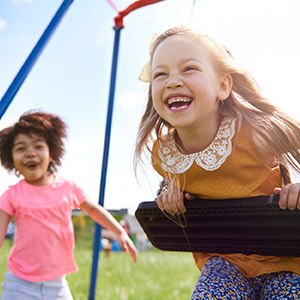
(193, 9)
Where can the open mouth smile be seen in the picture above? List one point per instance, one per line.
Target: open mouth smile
(31, 165)
(179, 103)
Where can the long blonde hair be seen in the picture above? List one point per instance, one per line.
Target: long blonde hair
(276, 134)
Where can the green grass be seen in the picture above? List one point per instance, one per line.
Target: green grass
(157, 275)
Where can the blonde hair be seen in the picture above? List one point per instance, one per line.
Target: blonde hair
(275, 134)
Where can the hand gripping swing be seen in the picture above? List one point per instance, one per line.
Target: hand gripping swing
(249, 225)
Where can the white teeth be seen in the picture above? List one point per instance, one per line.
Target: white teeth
(179, 107)
(175, 100)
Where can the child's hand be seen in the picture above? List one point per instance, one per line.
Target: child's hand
(289, 196)
(168, 202)
(127, 245)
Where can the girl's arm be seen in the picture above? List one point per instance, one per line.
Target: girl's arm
(289, 193)
(101, 216)
(4, 220)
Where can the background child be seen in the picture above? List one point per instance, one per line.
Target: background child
(214, 135)
(41, 205)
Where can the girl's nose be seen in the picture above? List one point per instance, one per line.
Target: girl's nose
(174, 82)
(30, 152)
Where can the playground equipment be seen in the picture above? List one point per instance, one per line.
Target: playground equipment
(33, 57)
(250, 226)
(117, 28)
(25, 70)
(152, 215)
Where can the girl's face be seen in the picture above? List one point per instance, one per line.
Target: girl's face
(31, 158)
(186, 88)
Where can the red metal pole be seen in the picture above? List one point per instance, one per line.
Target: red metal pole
(135, 5)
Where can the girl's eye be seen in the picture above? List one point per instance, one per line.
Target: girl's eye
(40, 146)
(159, 74)
(190, 68)
(19, 149)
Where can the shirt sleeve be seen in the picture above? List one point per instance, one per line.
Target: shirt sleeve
(6, 203)
(79, 196)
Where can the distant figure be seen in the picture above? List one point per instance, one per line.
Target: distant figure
(106, 245)
(124, 224)
(107, 238)
(11, 229)
(41, 204)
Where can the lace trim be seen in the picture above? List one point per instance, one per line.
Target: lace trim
(210, 159)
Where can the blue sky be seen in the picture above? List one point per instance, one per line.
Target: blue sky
(71, 77)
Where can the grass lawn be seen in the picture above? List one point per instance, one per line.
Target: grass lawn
(157, 275)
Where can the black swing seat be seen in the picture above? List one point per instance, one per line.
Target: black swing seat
(250, 225)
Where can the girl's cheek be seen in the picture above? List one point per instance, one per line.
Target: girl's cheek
(153, 88)
(156, 90)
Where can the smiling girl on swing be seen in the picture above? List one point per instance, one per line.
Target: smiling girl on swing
(212, 134)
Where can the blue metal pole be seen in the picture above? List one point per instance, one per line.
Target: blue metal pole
(98, 228)
(32, 58)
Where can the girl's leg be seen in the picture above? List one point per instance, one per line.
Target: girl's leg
(279, 285)
(18, 289)
(14, 288)
(220, 279)
(57, 289)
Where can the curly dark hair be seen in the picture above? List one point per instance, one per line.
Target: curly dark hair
(46, 125)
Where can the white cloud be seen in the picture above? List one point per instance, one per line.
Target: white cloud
(3, 23)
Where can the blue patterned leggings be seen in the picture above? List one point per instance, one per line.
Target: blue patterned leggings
(220, 280)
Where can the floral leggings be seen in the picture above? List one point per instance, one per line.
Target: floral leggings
(220, 280)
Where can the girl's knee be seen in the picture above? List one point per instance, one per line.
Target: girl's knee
(220, 279)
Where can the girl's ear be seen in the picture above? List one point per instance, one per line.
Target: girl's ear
(225, 87)
(51, 164)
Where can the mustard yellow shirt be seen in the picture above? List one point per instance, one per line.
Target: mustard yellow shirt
(229, 168)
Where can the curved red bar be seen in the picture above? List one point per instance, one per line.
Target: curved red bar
(135, 5)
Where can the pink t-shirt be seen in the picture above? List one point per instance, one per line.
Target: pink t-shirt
(44, 242)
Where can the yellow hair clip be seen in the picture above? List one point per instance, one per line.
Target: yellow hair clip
(145, 74)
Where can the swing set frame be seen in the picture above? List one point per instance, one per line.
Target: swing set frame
(157, 225)
(27, 66)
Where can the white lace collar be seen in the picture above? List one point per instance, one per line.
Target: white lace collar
(210, 159)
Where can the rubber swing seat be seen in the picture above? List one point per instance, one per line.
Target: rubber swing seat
(250, 225)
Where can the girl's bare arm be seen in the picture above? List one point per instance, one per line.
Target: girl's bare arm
(4, 220)
(101, 216)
